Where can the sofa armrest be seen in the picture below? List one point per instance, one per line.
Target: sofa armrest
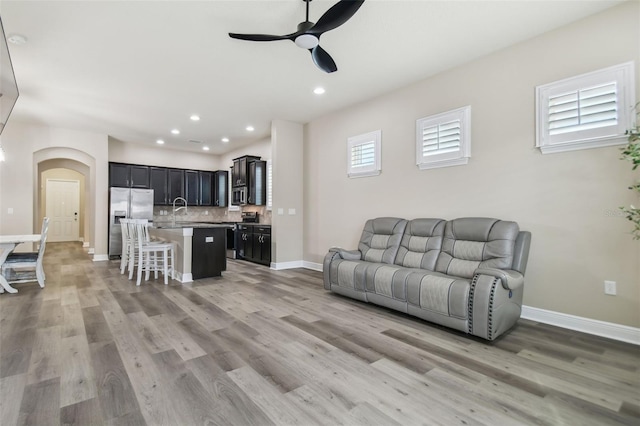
(511, 279)
(346, 254)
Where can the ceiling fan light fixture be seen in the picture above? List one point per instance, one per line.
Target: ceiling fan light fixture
(306, 41)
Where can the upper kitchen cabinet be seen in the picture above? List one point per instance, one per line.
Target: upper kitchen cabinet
(128, 175)
(176, 184)
(205, 184)
(192, 187)
(257, 183)
(240, 170)
(159, 182)
(220, 188)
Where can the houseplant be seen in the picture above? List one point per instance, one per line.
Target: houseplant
(631, 152)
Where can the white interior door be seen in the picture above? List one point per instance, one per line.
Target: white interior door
(62, 208)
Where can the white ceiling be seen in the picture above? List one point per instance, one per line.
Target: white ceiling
(136, 69)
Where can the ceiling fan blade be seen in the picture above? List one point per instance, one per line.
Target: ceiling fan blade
(337, 15)
(323, 60)
(260, 37)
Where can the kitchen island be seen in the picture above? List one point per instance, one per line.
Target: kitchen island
(200, 248)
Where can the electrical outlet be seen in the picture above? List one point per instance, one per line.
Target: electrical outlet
(610, 288)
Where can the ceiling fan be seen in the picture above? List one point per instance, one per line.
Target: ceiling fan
(308, 34)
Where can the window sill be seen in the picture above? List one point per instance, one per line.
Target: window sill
(364, 174)
(585, 144)
(443, 163)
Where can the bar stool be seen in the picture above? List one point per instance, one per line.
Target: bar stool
(153, 256)
(126, 245)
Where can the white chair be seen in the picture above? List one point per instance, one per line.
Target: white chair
(126, 245)
(152, 256)
(27, 267)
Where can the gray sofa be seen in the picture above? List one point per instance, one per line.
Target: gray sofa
(467, 273)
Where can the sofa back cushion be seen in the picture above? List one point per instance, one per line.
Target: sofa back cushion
(472, 242)
(421, 244)
(381, 238)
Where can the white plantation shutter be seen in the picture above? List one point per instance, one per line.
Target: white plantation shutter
(443, 139)
(586, 111)
(363, 155)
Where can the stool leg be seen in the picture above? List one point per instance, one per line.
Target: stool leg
(165, 266)
(140, 267)
(173, 265)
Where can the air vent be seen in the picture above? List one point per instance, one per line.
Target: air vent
(194, 141)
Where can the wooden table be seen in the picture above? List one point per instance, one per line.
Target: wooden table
(8, 243)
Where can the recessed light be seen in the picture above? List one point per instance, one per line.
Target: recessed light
(319, 90)
(160, 142)
(250, 128)
(205, 148)
(195, 117)
(175, 131)
(225, 140)
(17, 39)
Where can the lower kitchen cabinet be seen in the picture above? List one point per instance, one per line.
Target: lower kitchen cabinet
(253, 243)
(209, 252)
(262, 244)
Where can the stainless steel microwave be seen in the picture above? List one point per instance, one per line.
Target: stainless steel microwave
(239, 196)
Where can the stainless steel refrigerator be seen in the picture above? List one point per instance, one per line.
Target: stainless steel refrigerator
(126, 203)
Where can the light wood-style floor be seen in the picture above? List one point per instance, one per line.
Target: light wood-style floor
(263, 347)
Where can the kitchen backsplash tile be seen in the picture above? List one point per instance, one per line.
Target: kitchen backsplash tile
(209, 214)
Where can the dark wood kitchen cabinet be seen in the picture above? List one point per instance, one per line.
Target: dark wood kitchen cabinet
(176, 184)
(253, 243)
(205, 185)
(159, 182)
(128, 175)
(240, 170)
(244, 242)
(192, 187)
(257, 183)
(221, 188)
(261, 251)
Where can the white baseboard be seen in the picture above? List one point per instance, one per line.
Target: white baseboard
(610, 330)
(100, 257)
(287, 265)
(312, 265)
(184, 278)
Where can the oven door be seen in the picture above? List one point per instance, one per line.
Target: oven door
(239, 196)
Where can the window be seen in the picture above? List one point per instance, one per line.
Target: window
(444, 140)
(587, 111)
(269, 185)
(363, 155)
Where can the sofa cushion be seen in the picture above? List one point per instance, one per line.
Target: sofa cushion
(421, 244)
(381, 238)
(472, 243)
(439, 293)
(348, 273)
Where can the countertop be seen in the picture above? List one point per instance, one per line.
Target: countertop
(188, 224)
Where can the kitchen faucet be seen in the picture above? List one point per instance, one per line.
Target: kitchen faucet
(179, 208)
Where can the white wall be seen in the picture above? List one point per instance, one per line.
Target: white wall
(28, 145)
(568, 201)
(121, 152)
(287, 215)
